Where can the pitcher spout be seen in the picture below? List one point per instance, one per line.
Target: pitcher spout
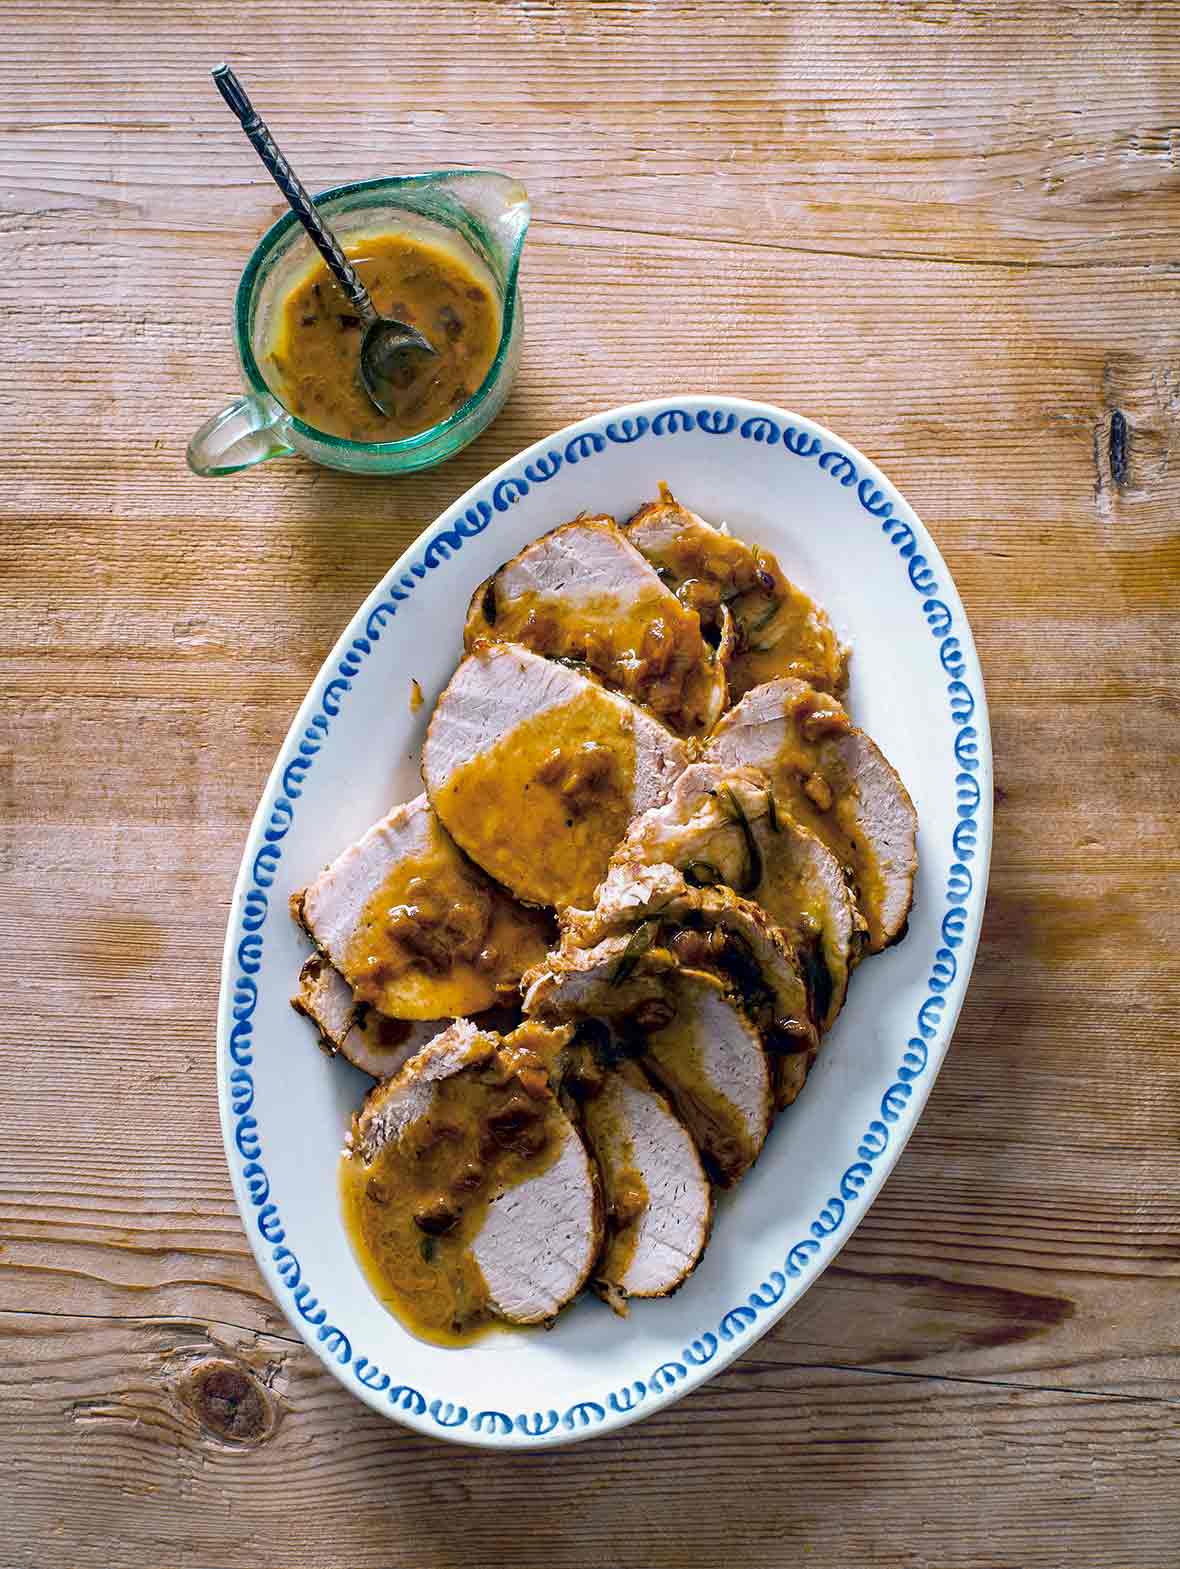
(500, 206)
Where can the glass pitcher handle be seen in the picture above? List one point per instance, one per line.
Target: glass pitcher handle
(246, 432)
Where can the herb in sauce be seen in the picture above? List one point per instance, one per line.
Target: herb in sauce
(765, 579)
(818, 978)
(772, 813)
(642, 939)
(752, 872)
(763, 620)
(702, 874)
(606, 1048)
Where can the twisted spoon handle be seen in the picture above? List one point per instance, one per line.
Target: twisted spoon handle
(293, 189)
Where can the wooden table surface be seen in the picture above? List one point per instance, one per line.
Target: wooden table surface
(950, 230)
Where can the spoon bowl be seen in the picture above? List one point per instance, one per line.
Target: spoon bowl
(391, 356)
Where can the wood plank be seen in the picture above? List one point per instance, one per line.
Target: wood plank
(914, 129)
(102, 1451)
(1008, 424)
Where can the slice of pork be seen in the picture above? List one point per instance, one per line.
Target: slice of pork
(539, 1239)
(390, 1108)
(713, 1066)
(659, 1205)
(710, 929)
(834, 780)
(621, 979)
(705, 829)
(536, 771)
(777, 629)
(352, 1030)
(583, 592)
(414, 928)
(709, 1059)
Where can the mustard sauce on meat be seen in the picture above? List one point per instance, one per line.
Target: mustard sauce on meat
(545, 806)
(794, 902)
(650, 647)
(779, 630)
(438, 939)
(793, 642)
(814, 783)
(413, 1214)
(314, 356)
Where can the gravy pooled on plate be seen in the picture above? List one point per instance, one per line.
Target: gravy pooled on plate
(314, 355)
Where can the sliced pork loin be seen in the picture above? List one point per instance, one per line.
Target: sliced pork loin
(584, 592)
(709, 1059)
(723, 825)
(352, 1030)
(835, 782)
(391, 1108)
(413, 927)
(620, 980)
(714, 1069)
(659, 1205)
(518, 1230)
(776, 629)
(653, 908)
(536, 771)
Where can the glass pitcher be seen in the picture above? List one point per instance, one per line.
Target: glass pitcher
(487, 212)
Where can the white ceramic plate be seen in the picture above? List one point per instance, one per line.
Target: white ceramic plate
(844, 534)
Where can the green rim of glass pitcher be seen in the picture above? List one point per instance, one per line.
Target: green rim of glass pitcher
(449, 212)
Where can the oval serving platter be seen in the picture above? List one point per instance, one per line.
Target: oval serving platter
(846, 535)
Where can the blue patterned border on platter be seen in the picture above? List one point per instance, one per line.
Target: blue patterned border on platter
(797, 445)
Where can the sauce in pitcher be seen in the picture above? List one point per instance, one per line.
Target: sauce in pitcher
(314, 356)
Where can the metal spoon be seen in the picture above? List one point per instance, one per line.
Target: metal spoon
(390, 349)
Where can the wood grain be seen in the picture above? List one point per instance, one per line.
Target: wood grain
(949, 230)
(951, 1459)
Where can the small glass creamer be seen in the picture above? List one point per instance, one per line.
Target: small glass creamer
(485, 212)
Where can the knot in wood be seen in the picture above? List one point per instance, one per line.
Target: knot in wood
(228, 1401)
